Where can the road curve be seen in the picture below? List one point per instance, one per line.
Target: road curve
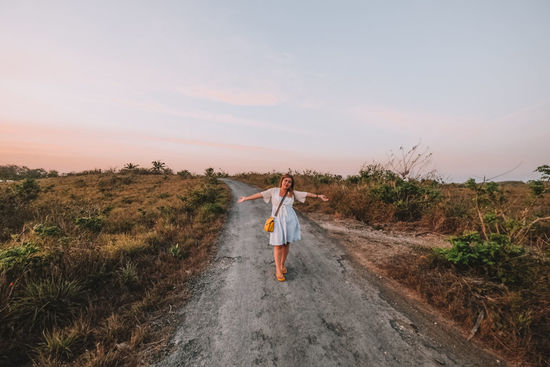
(325, 314)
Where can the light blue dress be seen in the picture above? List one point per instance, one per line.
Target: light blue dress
(286, 226)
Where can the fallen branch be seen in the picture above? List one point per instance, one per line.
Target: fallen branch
(476, 326)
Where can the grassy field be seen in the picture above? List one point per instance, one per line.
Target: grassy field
(87, 260)
(496, 276)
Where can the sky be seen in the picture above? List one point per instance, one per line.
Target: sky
(275, 85)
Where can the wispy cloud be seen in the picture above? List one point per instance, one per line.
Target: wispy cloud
(213, 144)
(232, 96)
(219, 118)
(538, 111)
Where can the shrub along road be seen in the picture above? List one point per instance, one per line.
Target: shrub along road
(327, 313)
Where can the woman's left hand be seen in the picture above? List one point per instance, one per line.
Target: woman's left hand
(323, 197)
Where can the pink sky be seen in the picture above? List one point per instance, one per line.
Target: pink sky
(242, 88)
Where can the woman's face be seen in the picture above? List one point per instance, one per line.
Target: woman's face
(287, 182)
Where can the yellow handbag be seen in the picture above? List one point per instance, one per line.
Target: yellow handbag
(270, 222)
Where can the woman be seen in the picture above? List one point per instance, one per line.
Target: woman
(287, 228)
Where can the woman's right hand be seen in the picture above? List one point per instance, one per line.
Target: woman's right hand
(241, 199)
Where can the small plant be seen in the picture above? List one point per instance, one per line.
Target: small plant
(487, 194)
(45, 230)
(92, 223)
(210, 175)
(47, 303)
(58, 345)
(128, 275)
(19, 258)
(175, 251)
(184, 174)
(210, 211)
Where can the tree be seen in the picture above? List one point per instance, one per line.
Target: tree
(545, 171)
(158, 167)
(130, 166)
(411, 163)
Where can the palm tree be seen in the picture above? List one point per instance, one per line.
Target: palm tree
(158, 167)
(130, 166)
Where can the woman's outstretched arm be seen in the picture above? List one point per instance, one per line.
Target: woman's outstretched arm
(251, 197)
(320, 196)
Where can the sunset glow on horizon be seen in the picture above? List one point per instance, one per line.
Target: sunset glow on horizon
(261, 86)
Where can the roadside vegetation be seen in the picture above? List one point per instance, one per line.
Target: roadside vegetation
(87, 260)
(493, 279)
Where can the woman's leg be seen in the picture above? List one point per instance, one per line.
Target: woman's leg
(286, 249)
(278, 253)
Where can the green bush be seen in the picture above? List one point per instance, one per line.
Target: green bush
(210, 211)
(536, 188)
(353, 179)
(470, 250)
(410, 198)
(376, 173)
(18, 259)
(199, 197)
(46, 303)
(92, 223)
(15, 209)
(45, 230)
(492, 257)
(184, 174)
(28, 190)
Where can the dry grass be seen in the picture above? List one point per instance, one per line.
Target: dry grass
(515, 321)
(90, 262)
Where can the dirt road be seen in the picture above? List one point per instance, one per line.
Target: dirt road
(326, 314)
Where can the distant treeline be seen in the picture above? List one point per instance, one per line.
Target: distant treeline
(14, 172)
